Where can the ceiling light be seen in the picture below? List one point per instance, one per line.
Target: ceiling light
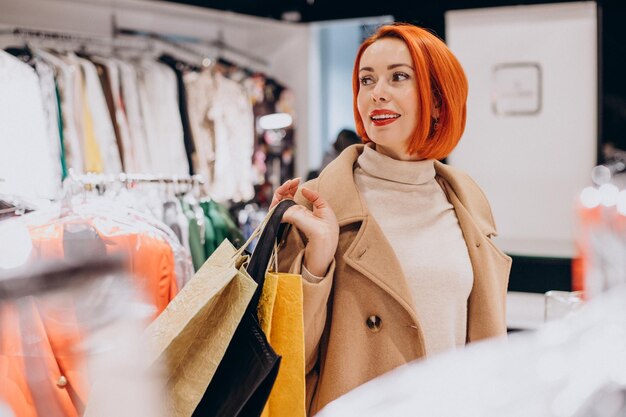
(275, 121)
(292, 16)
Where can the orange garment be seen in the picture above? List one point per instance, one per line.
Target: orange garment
(151, 260)
(54, 332)
(14, 393)
(31, 375)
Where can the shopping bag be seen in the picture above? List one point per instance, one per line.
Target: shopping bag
(243, 381)
(194, 332)
(280, 315)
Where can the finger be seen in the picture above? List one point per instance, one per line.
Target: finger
(314, 197)
(287, 190)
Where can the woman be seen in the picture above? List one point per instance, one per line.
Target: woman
(394, 247)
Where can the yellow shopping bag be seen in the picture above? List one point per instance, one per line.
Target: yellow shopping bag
(280, 316)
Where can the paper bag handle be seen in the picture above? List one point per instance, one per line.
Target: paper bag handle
(271, 231)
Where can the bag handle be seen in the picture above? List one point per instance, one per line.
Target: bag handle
(272, 231)
(254, 235)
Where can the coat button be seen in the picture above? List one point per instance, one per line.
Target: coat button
(374, 323)
(62, 382)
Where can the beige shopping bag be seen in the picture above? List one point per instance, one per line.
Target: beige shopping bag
(189, 338)
(193, 332)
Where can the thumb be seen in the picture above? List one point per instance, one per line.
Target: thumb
(315, 199)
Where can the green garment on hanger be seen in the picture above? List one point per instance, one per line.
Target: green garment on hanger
(222, 224)
(217, 220)
(235, 235)
(209, 243)
(198, 253)
(60, 125)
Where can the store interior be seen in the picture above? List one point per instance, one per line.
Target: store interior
(166, 184)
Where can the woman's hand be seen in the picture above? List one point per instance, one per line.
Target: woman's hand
(319, 226)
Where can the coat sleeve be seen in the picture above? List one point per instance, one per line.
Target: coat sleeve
(316, 294)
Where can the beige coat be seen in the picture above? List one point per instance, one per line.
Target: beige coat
(344, 348)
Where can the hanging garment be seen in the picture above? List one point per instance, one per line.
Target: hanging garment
(15, 393)
(129, 160)
(197, 248)
(55, 343)
(93, 154)
(200, 88)
(102, 124)
(40, 383)
(64, 167)
(177, 67)
(234, 142)
(159, 102)
(130, 101)
(50, 105)
(234, 234)
(170, 218)
(83, 118)
(66, 81)
(105, 83)
(80, 113)
(218, 222)
(27, 165)
(150, 260)
(184, 225)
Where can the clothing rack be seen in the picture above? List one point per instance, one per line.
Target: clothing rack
(103, 179)
(177, 40)
(71, 37)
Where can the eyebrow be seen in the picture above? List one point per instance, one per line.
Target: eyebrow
(390, 67)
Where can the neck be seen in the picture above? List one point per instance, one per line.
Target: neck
(396, 154)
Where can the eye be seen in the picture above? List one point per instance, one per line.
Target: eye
(400, 76)
(367, 80)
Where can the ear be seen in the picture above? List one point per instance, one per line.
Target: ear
(436, 105)
(435, 112)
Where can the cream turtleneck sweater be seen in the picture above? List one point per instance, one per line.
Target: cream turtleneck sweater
(421, 225)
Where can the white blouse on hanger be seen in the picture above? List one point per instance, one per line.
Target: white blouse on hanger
(158, 92)
(234, 141)
(29, 166)
(51, 110)
(130, 95)
(66, 81)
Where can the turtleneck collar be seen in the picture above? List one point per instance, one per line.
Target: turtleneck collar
(381, 166)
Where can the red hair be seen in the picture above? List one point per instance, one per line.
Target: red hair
(440, 81)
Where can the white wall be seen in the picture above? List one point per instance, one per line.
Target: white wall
(336, 45)
(340, 43)
(532, 166)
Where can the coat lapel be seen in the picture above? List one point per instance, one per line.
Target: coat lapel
(486, 310)
(372, 255)
(370, 252)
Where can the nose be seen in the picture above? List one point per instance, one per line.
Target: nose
(379, 92)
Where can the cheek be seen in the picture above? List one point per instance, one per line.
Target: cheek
(361, 104)
(409, 101)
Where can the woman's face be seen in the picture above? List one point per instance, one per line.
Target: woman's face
(387, 98)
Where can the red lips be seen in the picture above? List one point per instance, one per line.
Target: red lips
(383, 121)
